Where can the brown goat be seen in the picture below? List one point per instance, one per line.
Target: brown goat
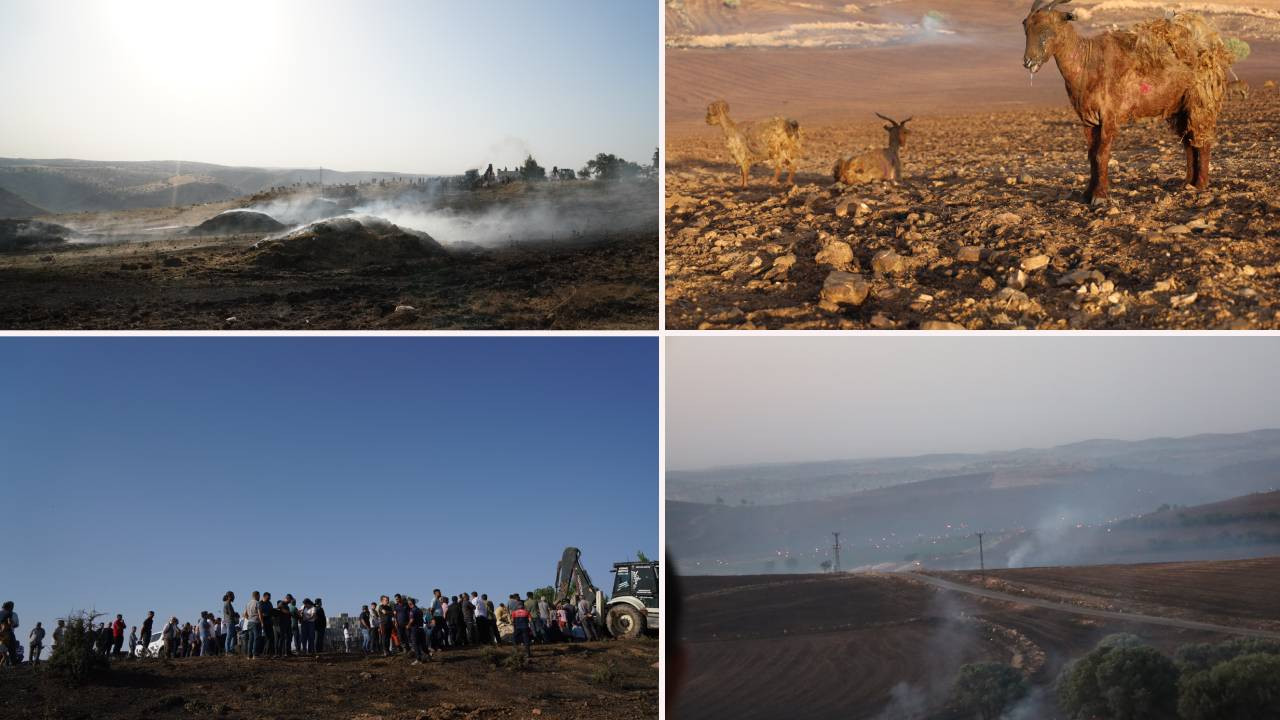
(1176, 69)
(880, 164)
(1238, 88)
(776, 139)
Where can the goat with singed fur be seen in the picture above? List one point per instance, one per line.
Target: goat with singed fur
(1173, 68)
(879, 164)
(776, 139)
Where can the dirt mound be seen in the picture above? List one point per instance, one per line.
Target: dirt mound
(344, 242)
(238, 221)
(27, 234)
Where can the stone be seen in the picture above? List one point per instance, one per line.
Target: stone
(1007, 218)
(1035, 262)
(887, 262)
(845, 288)
(969, 253)
(406, 309)
(940, 325)
(1016, 279)
(836, 253)
(1183, 300)
(880, 321)
(1013, 299)
(781, 265)
(1081, 276)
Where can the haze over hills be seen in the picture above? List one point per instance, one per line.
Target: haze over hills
(68, 185)
(927, 509)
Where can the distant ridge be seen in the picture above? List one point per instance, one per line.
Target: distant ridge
(12, 206)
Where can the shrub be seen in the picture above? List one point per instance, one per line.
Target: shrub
(1238, 47)
(73, 658)
(988, 689)
(516, 660)
(491, 656)
(1204, 656)
(606, 674)
(1121, 681)
(1244, 688)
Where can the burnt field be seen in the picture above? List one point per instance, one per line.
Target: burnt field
(514, 257)
(986, 231)
(561, 682)
(881, 645)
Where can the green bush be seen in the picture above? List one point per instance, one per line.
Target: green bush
(73, 658)
(1244, 688)
(606, 674)
(1238, 47)
(988, 689)
(1204, 656)
(1120, 680)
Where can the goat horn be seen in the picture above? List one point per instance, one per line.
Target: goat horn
(904, 122)
(889, 119)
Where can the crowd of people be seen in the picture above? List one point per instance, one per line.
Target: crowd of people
(263, 627)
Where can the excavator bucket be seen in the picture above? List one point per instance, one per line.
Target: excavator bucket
(571, 577)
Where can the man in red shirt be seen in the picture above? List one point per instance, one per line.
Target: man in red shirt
(117, 635)
(523, 628)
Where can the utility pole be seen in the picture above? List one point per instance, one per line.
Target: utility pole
(835, 553)
(982, 562)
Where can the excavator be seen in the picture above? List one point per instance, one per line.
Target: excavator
(632, 607)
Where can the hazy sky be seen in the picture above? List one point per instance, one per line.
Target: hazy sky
(734, 400)
(394, 85)
(155, 474)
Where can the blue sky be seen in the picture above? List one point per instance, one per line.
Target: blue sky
(394, 85)
(157, 473)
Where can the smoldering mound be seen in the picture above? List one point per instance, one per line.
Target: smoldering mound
(238, 221)
(343, 242)
(16, 234)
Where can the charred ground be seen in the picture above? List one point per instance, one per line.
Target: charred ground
(562, 682)
(987, 231)
(144, 269)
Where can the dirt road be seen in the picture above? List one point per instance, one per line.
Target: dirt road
(1091, 612)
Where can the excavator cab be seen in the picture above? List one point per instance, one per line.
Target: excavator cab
(632, 609)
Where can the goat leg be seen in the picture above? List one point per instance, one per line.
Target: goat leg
(1101, 158)
(1093, 136)
(744, 176)
(791, 172)
(1191, 161)
(1202, 168)
(777, 172)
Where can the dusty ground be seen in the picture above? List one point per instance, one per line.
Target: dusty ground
(992, 176)
(884, 646)
(152, 275)
(974, 210)
(463, 685)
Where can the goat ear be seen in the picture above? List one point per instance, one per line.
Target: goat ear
(1069, 16)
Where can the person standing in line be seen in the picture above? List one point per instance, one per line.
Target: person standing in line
(8, 642)
(493, 618)
(219, 639)
(35, 643)
(146, 631)
(308, 627)
(523, 634)
(346, 637)
(365, 627)
(417, 636)
(133, 641)
(482, 618)
(58, 631)
(296, 622)
(402, 622)
(284, 629)
(265, 611)
(170, 637)
(117, 636)
(322, 625)
(457, 626)
(502, 618)
(386, 617)
(587, 615)
(253, 622)
(229, 620)
(204, 630)
(469, 619)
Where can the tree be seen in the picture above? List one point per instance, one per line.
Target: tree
(641, 556)
(825, 565)
(73, 657)
(1120, 681)
(531, 171)
(1245, 688)
(604, 166)
(1239, 48)
(584, 173)
(987, 689)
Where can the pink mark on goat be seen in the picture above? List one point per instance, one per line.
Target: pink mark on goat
(1144, 88)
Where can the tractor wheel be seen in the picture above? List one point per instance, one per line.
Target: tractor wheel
(624, 621)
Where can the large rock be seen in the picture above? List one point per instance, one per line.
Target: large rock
(887, 262)
(836, 253)
(845, 288)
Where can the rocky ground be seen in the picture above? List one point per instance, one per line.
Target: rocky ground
(987, 230)
(588, 680)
